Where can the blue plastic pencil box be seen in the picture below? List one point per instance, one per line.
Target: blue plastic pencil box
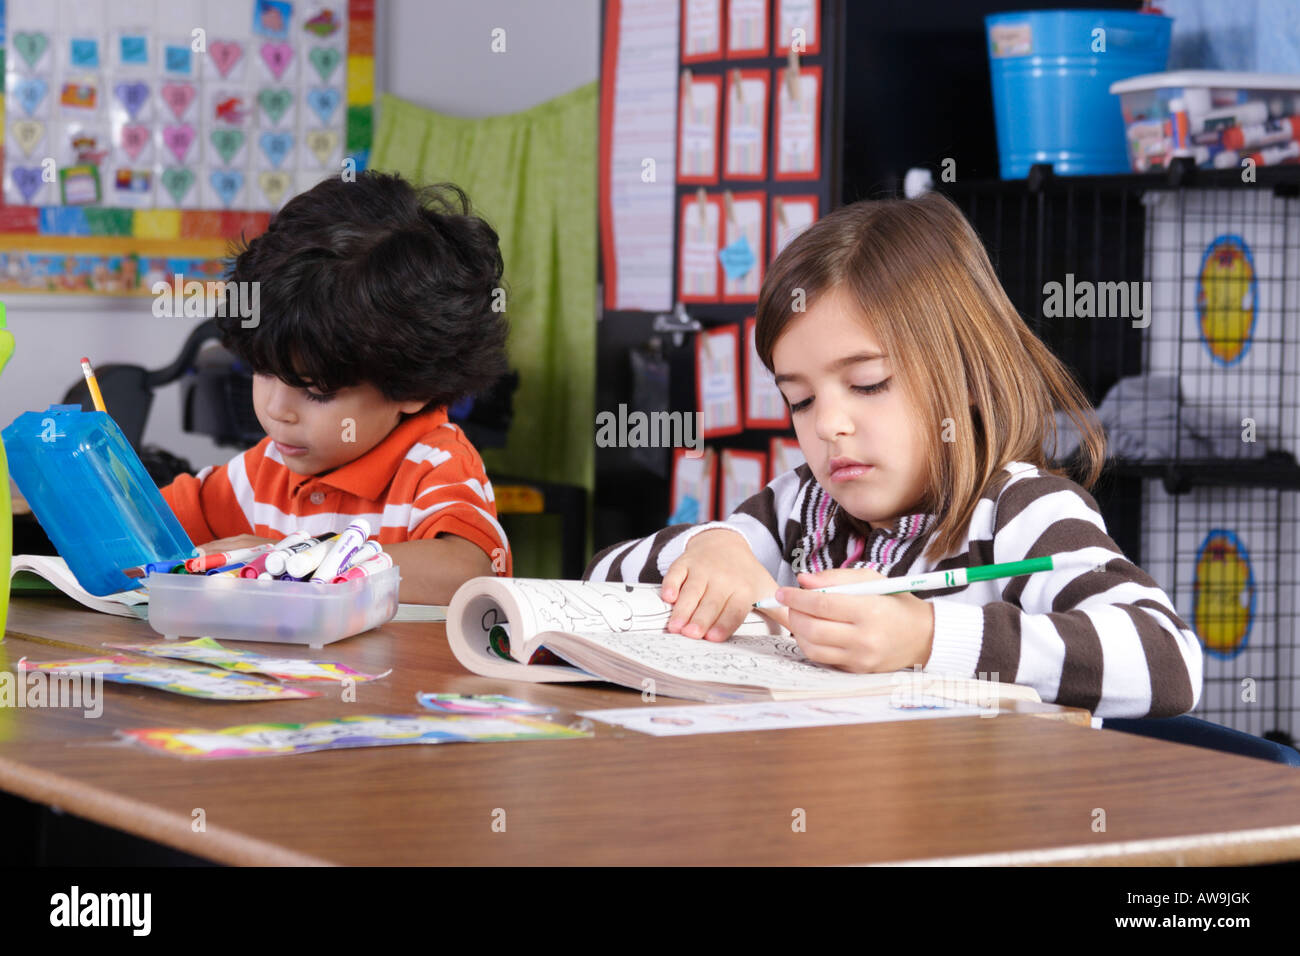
(92, 495)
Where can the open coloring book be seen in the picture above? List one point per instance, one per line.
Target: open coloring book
(505, 627)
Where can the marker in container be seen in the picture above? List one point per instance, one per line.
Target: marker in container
(344, 546)
(1238, 114)
(235, 566)
(255, 567)
(379, 562)
(277, 561)
(363, 553)
(1274, 155)
(230, 572)
(206, 562)
(301, 564)
(1262, 134)
(287, 542)
(153, 567)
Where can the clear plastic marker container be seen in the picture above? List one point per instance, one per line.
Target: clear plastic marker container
(277, 612)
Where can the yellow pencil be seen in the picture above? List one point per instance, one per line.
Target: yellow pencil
(95, 394)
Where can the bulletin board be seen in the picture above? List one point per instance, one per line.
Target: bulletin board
(718, 148)
(141, 136)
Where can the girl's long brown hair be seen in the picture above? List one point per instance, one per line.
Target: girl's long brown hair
(971, 367)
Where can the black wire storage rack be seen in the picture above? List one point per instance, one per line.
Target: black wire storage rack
(1175, 299)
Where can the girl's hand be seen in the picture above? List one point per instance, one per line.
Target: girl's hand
(233, 544)
(714, 584)
(861, 633)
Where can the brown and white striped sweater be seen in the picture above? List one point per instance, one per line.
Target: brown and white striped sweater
(1095, 632)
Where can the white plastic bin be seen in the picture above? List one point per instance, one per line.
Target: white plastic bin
(280, 612)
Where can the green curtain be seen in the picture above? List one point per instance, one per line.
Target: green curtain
(532, 175)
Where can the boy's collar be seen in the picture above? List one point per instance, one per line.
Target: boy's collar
(368, 476)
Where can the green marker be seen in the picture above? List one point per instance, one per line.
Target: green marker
(932, 581)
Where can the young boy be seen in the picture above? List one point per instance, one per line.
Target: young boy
(375, 312)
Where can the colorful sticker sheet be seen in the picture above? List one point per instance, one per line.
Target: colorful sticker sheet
(136, 131)
(207, 651)
(211, 683)
(262, 740)
(481, 704)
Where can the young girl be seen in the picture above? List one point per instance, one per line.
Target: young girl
(923, 404)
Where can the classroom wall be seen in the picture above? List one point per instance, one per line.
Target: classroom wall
(435, 53)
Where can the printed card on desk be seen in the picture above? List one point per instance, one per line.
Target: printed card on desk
(747, 22)
(702, 30)
(741, 255)
(765, 406)
(692, 489)
(698, 123)
(784, 455)
(791, 215)
(700, 237)
(798, 123)
(745, 150)
(798, 27)
(742, 477)
(717, 380)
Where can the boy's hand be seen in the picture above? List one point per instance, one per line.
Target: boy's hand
(861, 633)
(714, 584)
(233, 544)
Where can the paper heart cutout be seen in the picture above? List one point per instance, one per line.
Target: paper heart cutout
(275, 102)
(226, 183)
(177, 182)
(276, 146)
(27, 134)
(31, 46)
(225, 54)
(83, 52)
(323, 102)
(132, 96)
(322, 144)
(325, 59)
(134, 140)
(30, 92)
(276, 56)
(227, 142)
(28, 181)
(274, 186)
(178, 97)
(178, 140)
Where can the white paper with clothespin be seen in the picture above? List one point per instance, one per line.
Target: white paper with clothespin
(701, 106)
(701, 231)
(717, 380)
(746, 132)
(798, 121)
(742, 253)
(791, 215)
(693, 483)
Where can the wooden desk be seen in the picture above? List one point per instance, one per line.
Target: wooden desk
(973, 790)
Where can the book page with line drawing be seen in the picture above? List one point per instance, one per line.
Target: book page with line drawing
(530, 607)
(774, 662)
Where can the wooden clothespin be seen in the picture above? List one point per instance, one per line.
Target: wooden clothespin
(702, 205)
(688, 86)
(792, 76)
(729, 205)
(778, 207)
(708, 344)
(738, 84)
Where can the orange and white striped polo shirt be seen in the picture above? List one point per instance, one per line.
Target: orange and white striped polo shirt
(423, 480)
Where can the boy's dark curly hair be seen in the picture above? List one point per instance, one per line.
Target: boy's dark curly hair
(374, 281)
